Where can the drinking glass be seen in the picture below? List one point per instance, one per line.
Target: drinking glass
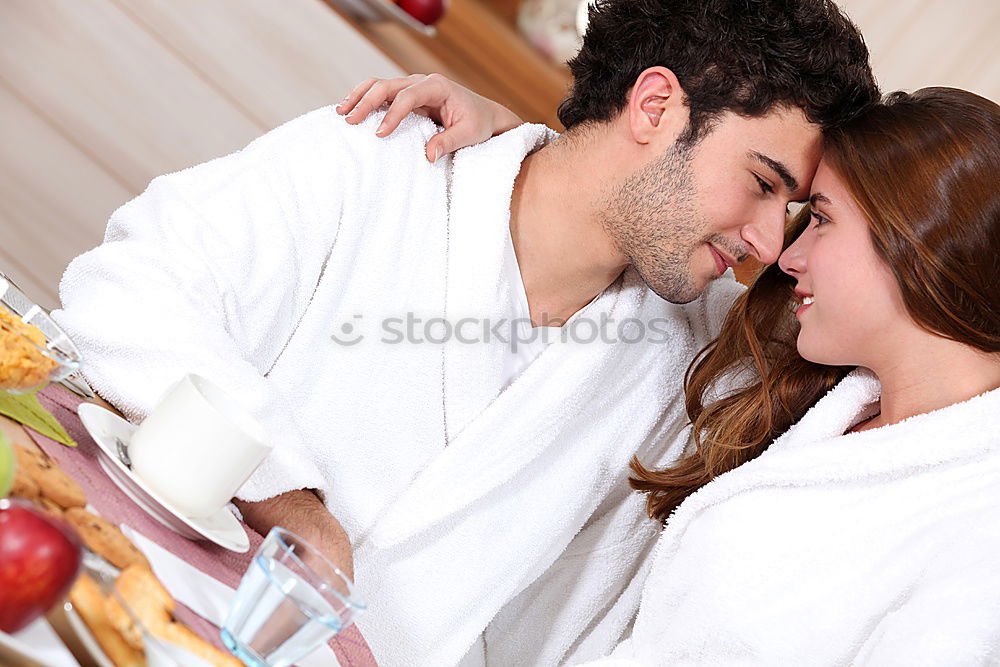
(291, 600)
(33, 349)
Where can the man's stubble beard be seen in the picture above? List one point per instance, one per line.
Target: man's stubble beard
(653, 219)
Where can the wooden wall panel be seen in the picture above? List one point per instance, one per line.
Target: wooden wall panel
(107, 82)
(917, 43)
(274, 61)
(54, 199)
(99, 97)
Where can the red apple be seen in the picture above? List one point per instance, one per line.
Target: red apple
(426, 11)
(39, 559)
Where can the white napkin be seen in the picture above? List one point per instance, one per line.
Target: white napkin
(202, 594)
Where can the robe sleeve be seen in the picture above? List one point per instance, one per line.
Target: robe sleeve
(209, 271)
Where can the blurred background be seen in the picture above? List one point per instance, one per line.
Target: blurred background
(97, 97)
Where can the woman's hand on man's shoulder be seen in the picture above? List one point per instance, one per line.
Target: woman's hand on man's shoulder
(467, 118)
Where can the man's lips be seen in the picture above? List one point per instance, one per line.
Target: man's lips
(722, 262)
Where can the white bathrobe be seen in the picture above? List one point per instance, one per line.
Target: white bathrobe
(873, 548)
(456, 494)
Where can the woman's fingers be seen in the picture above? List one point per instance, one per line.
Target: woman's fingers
(371, 94)
(349, 102)
(453, 138)
(467, 118)
(439, 145)
(425, 97)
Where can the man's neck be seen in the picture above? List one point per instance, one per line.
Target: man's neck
(565, 256)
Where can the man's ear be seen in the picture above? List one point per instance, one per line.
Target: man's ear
(656, 108)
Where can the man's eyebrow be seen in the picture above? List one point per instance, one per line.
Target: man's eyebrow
(780, 169)
(820, 198)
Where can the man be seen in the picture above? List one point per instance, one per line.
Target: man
(384, 317)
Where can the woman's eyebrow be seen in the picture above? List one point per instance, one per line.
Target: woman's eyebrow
(819, 198)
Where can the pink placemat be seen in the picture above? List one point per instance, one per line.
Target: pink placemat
(81, 464)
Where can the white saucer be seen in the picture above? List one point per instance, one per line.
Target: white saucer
(105, 427)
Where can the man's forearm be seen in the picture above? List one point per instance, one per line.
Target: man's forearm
(303, 513)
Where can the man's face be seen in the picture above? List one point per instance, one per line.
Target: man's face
(684, 218)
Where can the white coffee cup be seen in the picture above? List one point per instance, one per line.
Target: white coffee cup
(197, 447)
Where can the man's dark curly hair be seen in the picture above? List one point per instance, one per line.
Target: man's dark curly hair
(745, 56)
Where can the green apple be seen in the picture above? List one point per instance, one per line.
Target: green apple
(6, 465)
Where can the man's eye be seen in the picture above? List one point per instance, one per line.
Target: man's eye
(765, 187)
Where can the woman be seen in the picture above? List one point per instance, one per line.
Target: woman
(867, 532)
(841, 503)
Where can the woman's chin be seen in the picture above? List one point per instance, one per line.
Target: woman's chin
(814, 351)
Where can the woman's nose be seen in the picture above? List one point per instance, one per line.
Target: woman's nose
(792, 260)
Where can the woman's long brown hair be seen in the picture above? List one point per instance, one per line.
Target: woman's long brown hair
(925, 170)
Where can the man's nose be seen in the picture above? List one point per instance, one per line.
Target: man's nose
(766, 238)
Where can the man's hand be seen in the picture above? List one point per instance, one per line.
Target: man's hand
(303, 513)
(468, 118)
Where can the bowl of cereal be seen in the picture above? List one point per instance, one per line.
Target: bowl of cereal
(34, 351)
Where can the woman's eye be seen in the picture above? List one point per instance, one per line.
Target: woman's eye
(820, 220)
(765, 187)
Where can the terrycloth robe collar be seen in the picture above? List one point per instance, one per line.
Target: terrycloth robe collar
(816, 450)
(481, 187)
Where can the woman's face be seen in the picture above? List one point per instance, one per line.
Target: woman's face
(851, 310)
